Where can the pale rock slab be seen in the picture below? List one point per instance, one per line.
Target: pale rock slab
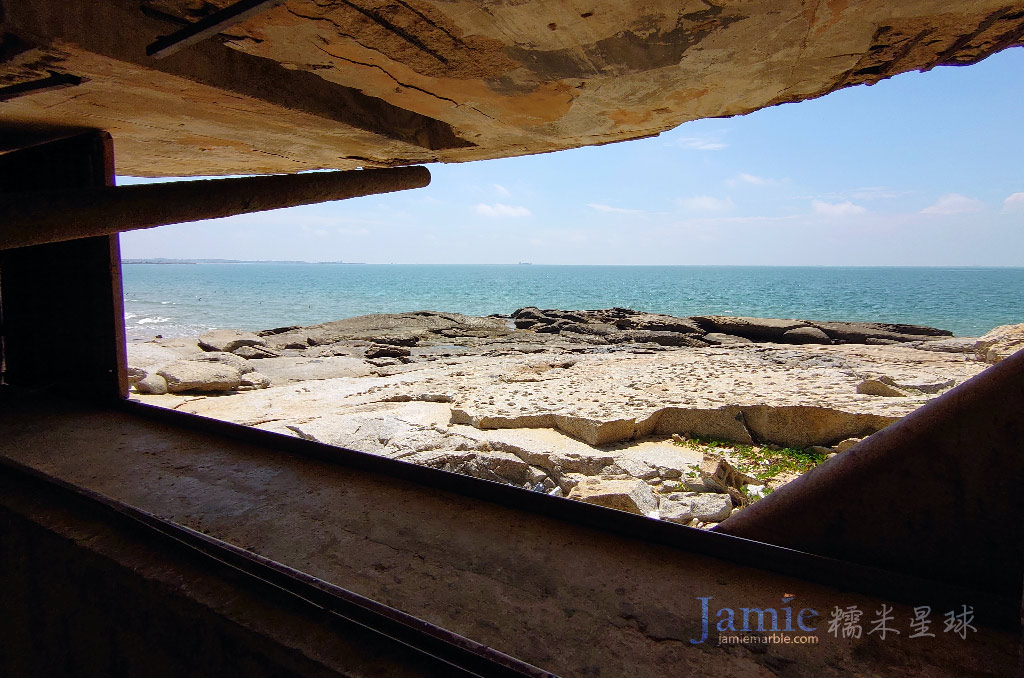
(633, 496)
(229, 359)
(286, 369)
(710, 508)
(206, 377)
(254, 380)
(1000, 343)
(675, 511)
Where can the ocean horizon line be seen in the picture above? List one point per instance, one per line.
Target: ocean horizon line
(278, 262)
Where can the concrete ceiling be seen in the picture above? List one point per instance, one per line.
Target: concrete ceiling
(311, 84)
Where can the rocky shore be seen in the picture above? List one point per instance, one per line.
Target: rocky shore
(686, 419)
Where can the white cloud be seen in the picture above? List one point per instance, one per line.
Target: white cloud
(1014, 203)
(838, 209)
(498, 210)
(744, 178)
(501, 190)
(954, 203)
(705, 203)
(608, 208)
(708, 142)
(875, 193)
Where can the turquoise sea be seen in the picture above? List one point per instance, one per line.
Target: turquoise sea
(187, 299)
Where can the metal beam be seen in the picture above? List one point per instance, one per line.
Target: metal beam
(54, 216)
(205, 28)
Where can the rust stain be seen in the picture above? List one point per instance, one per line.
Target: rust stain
(547, 103)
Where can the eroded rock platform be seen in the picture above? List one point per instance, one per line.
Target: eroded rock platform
(547, 410)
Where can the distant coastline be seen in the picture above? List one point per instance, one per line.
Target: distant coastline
(161, 260)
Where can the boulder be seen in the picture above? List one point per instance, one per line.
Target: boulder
(504, 467)
(135, 375)
(758, 329)
(461, 455)
(636, 468)
(229, 340)
(720, 475)
(675, 512)
(805, 335)
(229, 359)
(528, 313)
(859, 333)
(631, 495)
(1000, 343)
(152, 384)
(710, 508)
(254, 352)
(254, 380)
(203, 377)
(699, 485)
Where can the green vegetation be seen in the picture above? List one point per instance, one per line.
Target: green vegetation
(763, 462)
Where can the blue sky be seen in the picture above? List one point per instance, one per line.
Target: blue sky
(924, 169)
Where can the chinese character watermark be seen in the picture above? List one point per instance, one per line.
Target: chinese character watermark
(846, 621)
(921, 622)
(881, 623)
(960, 622)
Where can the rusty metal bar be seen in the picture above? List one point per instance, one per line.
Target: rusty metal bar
(208, 27)
(935, 494)
(34, 218)
(52, 82)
